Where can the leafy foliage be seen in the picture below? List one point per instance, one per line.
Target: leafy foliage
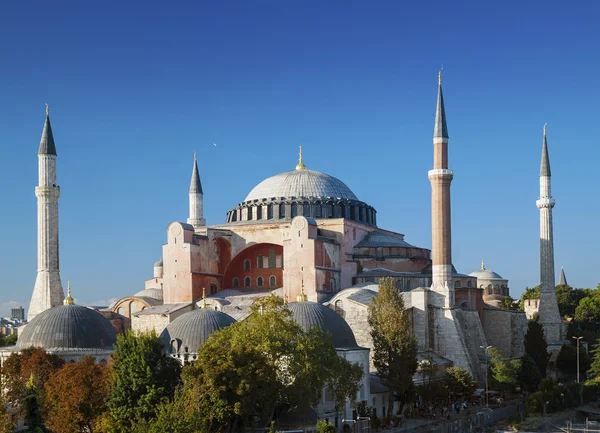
(459, 382)
(75, 396)
(566, 362)
(32, 407)
(140, 377)
(505, 371)
(324, 427)
(529, 376)
(509, 303)
(536, 346)
(11, 340)
(249, 369)
(394, 346)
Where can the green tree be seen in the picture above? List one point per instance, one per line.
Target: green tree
(32, 407)
(250, 369)
(459, 382)
(505, 371)
(509, 303)
(394, 346)
(428, 368)
(11, 340)
(588, 310)
(536, 346)
(529, 376)
(594, 370)
(566, 362)
(323, 426)
(141, 376)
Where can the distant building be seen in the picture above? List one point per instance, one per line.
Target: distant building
(18, 313)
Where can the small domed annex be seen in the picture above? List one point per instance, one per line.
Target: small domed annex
(310, 314)
(191, 330)
(301, 192)
(68, 328)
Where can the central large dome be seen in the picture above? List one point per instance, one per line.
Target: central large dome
(301, 183)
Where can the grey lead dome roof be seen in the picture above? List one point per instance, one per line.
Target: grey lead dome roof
(193, 328)
(68, 327)
(301, 183)
(485, 274)
(310, 314)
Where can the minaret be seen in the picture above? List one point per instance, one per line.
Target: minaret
(441, 239)
(196, 199)
(563, 279)
(548, 308)
(48, 291)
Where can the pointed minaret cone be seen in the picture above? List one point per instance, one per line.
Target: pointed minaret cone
(549, 315)
(563, 279)
(441, 178)
(47, 291)
(196, 199)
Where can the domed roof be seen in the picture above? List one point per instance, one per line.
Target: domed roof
(301, 183)
(68, 327)
(485, 274)
(153, 293)
(192, 329)
(158, 264)
(381, 239)
(311, 314)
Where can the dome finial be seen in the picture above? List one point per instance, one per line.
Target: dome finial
(302, 297)
(300, 165)
(47, 109)
(69, 300)
(203, 297)
(482, 265)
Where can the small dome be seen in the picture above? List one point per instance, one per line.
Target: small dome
(192, 329)
(311, 314)
(153, 293)
(68, 327)
(485, 274)
(381, 239)
(301, 183)
(158, 264)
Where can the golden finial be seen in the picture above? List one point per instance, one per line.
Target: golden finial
(482, 265)
(194, 156)
(545, 129)
(203, 297)
(300, 165)
(302, 297)
(47, 109)
(69, 300)
(440, 76)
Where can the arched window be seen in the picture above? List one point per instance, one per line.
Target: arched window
(272, 281)
(259, 282)
(457, 284)
(339, 307)
(213, 289)
(318, 211)
(469, 284)
(247, 265)
(247, 282)
(259, 261)
(496, 289)
(234, 215)
(489, 289)
(259, 212)
(306, 210)
(294, 210)
(272, 258)
(249, 214)
(332, 284)
(282, 210)
(270, 211)
(120, 311)
(236, 282)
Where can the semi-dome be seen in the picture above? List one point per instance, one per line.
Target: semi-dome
(304, 192)
(158, 264)
(191, 330)
(153, 293)
(68, 328)
(301, 183)
(310, 314)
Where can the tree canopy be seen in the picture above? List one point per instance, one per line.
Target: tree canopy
(505, 371)
(459, 382)
(394, 346)
(536, 346)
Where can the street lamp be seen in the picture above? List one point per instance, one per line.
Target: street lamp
(577, 338)
(487, 398)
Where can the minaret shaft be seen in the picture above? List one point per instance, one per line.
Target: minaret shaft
(441, 236)
(196, 195)
(48, 291)
(549, 315)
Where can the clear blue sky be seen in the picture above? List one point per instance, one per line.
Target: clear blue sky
(136, 87)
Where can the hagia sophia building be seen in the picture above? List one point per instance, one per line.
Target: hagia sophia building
(305, 236)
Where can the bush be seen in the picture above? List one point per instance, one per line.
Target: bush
(323, 426)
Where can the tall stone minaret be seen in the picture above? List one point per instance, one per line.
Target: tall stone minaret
(196, 199)
(440, 178)
(48, 291)
(548, 309)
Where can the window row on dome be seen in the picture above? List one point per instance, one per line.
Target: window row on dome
(260, 282)
(495, 290)
(353, 210)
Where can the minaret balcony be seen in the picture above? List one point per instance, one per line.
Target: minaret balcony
(544, 203)
(443, 173)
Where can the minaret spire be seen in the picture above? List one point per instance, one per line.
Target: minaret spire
(549, 315)
(196, 198)
(441, 178)
(47, 291)
(563, 279)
